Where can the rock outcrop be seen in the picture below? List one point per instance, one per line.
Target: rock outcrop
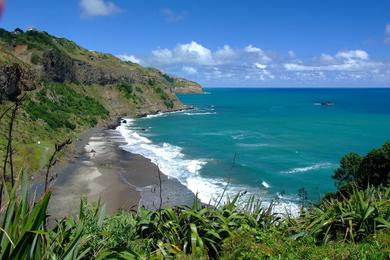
(14, 79)
(57, 67)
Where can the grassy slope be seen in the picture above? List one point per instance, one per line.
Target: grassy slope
(56, 111)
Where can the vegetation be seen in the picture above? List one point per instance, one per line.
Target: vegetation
(361, 172)
(353, 223)
(59, 106)
(126, 88)
(356, 226)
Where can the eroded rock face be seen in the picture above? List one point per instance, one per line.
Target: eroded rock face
(14, 78)
(10, 81)
(58, 67)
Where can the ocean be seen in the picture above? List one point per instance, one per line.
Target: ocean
(268, 142)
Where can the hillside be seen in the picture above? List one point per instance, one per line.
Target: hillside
(69, 88)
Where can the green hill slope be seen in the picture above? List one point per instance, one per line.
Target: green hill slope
(69, 88)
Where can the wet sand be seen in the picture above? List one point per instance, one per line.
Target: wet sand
(100, 170)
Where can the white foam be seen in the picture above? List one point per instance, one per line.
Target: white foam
(173, 163)
(265, 184)
(199, 113)
(164, 114)
(169, 158)
(155, 115)
(309, 168)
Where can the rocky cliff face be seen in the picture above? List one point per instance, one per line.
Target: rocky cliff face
(48, 58)
(70, 89)
(13, 79)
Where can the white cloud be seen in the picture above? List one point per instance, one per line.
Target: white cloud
(225, 54)
(266, 75)
(335, 67)
(252, 49)
(352, 60)
(251, 65)
(326, 58)
(131, 58)
(98, 8)
(262, 72)
(163, 55)
(260, 66)
(192, 52)
(353, 54)
(172, 16)
(189, 70)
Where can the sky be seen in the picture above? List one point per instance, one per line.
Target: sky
(301, 43)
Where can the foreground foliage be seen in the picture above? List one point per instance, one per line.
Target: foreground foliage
(356, 228)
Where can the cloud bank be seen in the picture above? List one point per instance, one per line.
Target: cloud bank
(250, 65)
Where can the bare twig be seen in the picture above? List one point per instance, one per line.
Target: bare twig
(9, 150)
(53, 160)
(228, 182)
(160, 188)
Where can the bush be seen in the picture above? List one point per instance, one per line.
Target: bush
(36, 59)
(126, 88)
(352, 218)
(61, 107)
(372, 169)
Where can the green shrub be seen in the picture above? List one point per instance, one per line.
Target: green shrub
(61, 107)
(36, 59)
(126, 88)
(352, 218)
(372, 169)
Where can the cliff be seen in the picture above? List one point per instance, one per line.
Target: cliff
(70, 89)
(28, 58)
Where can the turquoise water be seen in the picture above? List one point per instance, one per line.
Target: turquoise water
(283, 139)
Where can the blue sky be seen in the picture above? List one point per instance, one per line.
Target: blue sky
(228, 43)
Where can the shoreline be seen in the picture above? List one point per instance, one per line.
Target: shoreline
(100, 170)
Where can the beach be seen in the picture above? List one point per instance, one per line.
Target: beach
(98, 169)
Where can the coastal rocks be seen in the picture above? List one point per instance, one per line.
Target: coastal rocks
(327, 104)
(113, 125)
(14, 79)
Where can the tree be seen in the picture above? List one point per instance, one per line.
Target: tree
(348, 170)
(372, 169)
(375, 167)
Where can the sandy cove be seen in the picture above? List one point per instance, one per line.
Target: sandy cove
(100, 169)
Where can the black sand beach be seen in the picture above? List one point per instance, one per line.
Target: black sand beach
(100, 169)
